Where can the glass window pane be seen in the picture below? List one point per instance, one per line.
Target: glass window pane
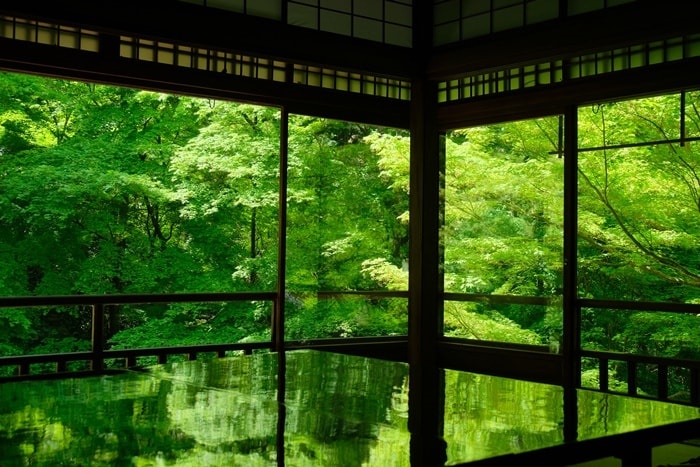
(368, 29)
(400, 14)
(503, 232)
(508, 18)
(630, 122)
(135, 192)
(300, 15)
(230, 5)
(576, 7)
(498, 4)
(541, 10)
(473, 7)
(271, 9)
(335, 22)
(347, 229)
(475, 26)
(398, 35)
(446, 33)
(337, 5)
(369, 8)
(638, 228)
(446, 12)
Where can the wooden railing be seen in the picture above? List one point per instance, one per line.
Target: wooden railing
(520, 361)
(97, 354)
(95, 359)
(393, 347)
(660, 365)
(634, 364)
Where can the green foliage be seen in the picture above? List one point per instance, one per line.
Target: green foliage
(591, 379)
(96, 198)
(345, 229)
(192, 323)
(108, 190)
(639, 226)
(471, 321)
(639, 223)
(503, 229)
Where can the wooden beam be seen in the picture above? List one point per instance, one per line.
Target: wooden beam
(194, 25)
(539, 367)
(637, 22)
(554, 99)
(65, 63)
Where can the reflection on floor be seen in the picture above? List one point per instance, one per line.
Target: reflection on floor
(670, 455)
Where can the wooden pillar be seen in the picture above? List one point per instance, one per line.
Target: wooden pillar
(571, 339)
(426, 387)
(277, 331)
(425, 280)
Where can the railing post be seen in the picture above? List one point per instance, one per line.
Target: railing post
(604, 369)
(662, 388)
(98, 337)
(632, 378)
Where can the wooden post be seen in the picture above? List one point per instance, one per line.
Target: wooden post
(426, 396)
(277, 331)
(571, 339)
(98, 337)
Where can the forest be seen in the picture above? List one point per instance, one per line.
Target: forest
(109, 190)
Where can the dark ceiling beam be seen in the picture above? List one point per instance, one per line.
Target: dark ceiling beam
(626, 25)
(94, 67)
(194, 25)
(554, 99)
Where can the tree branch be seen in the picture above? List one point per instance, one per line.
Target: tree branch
(691, 278)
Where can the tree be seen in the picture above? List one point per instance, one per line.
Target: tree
(639, 202)
(503, 229)
(639, 226)
(343, 217)
(228, 177)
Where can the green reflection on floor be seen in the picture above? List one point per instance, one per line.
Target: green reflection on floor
(337, 410)
(487, 416)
